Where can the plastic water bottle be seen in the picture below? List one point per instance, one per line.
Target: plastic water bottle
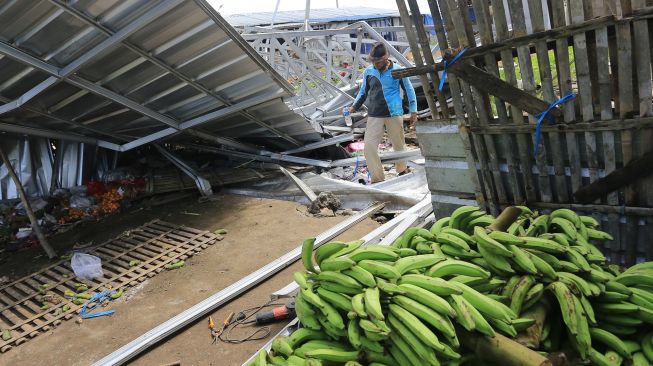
(345, 113)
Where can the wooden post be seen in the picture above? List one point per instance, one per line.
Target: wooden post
(501, 349)
(505, 219)
(28, 208)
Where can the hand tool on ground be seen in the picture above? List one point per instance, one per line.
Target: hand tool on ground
(225, 323)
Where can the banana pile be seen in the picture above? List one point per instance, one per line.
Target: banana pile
(407, 303)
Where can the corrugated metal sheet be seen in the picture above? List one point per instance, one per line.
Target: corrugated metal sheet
(316, 16)
(159, 66)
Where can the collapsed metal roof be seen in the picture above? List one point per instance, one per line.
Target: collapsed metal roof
(316, 16)
(123, 73)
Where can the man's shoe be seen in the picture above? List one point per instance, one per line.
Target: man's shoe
(406, 171)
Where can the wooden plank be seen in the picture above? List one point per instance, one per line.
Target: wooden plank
(485, 148)
(556, 152)
(444, 44)
(501, 27)
(582, 63)
(625, 71)
(643, 61)
(432, 89)
(528, 84)
(637, 124)
(558, 33)
(491, 84)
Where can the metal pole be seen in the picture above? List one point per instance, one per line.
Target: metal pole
(307, 14)
(274, 15)
(28, 208)
(220, 298)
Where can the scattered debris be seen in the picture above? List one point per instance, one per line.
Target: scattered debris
(175, 265)
(325, 200)
(190, 213)
(134, 263)
(220, 232)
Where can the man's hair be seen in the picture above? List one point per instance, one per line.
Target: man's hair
(378, 50)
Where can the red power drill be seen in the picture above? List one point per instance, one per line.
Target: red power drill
(282, 312)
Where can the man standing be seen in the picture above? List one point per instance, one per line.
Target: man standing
(384, 109)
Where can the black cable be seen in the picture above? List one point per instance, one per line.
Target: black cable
(242, 320)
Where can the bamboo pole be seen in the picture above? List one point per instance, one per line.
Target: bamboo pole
(28, 208)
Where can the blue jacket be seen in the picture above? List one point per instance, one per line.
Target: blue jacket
(382, 93)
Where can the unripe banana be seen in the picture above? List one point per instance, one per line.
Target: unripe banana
(435, 285)
(563, 225)
(351, 247)
(481, 324)
(543, 267)
(305, 313)
(566, 266)
(572, 279)
(622, 308)
(503, 327)
(519, 293)
(337, 264)
(611, 341)
(459, 233)
(340, 288)
(533, 296)
(358, 305)
(454, 251)
(380, 269)
(426, 314)
(404, 240)
(588, 310)
(404, 265)
(429, 299)
(523, 323)
(459, 214)
(484, 241)
(281, 345)
(452, 267)
(522, 260)
(647, 346)
(375, 252)
(339, 278)
(406, 252)
(589, 221)
(361, 275)
(372, 302)
(553, 261)
(340, 301)
(635, 278)
(453, 240)
(496, 262)
(486, 305)
(439, 224)
(598, 359)
(425, 248)
(544, 245)
(327, 250)
(354, 334)
(373, 330)
(598, 235)
(389, 287)
(578, 259)
(463, 313)
(303, 335)
(333, 355)
(409, 337)
(307, 255)
(639, 359)
(483, 221)
(505, 238)
(567, 305)
(416, 326)
(465, 224)
(302, 279)
(568, 215)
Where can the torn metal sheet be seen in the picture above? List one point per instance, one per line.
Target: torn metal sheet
(127, 73)
(399, 193)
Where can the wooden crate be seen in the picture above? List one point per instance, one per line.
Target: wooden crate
(599, 50)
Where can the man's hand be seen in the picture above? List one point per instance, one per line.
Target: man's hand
(352, 109)
(413, 118)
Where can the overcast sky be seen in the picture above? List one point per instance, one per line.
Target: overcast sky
(252, 6)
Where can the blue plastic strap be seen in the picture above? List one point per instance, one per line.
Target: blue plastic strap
(544, 114)
(447, 64)
(97, 299)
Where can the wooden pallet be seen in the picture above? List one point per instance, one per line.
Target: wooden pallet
(154, 244)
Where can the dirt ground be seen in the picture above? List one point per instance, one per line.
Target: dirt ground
(259, 231)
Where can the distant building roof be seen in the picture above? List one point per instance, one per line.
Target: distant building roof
(316, 16)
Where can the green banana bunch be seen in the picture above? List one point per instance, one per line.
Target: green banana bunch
(401, 304)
